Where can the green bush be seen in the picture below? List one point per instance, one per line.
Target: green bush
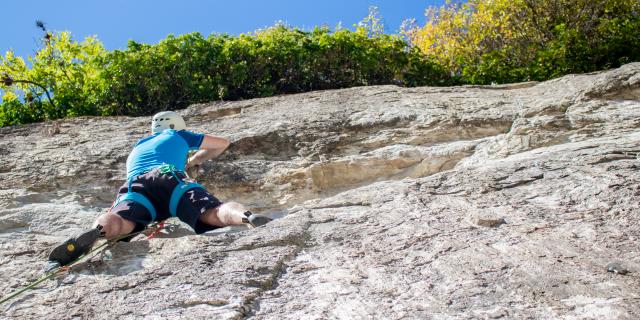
(189, 68)
(476, 42)
(65, 70)
(85, 79)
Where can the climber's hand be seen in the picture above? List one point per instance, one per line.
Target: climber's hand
(193, 172)
(193, 167)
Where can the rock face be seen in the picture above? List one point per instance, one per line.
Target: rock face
(467, 202)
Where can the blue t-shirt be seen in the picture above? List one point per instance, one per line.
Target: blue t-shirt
(167, 147)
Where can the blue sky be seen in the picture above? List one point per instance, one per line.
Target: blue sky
(148, 21)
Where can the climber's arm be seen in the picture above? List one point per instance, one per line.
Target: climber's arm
(211, 147)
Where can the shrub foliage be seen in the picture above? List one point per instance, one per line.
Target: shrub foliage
(499, 41)
(474, 42)
(85, 79)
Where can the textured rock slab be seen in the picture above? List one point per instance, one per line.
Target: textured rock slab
(392, 200)
(405, 250)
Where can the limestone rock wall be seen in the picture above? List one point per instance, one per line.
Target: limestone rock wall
(462, 202)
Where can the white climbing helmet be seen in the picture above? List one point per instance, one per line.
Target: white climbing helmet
(167, 120)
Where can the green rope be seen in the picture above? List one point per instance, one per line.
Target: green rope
(31, 286)
(50, 274)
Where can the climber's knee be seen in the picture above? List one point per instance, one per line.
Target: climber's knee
(114, 225)
(211, 217)
(228, 214)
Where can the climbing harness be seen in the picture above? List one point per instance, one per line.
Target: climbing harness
(176, 195)
(137, 198)
(155, 228)
(179, 190)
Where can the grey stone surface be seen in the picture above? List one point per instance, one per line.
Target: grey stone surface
(396, 203)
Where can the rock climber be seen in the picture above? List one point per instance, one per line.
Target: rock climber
(158, 187)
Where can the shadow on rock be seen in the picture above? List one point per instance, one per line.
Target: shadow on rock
(120, 259)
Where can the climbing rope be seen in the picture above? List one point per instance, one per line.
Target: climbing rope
(156, 229)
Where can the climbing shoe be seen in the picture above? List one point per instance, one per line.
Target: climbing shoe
(74, 248)
(255, 220)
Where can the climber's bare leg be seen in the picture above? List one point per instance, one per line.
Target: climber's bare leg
(111, 225)
(226, 214)
(114, 225)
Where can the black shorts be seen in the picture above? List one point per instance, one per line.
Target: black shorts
(157, 187)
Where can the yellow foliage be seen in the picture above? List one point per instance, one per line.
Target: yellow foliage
(516, 32)
(9, 96)
(455, 32)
